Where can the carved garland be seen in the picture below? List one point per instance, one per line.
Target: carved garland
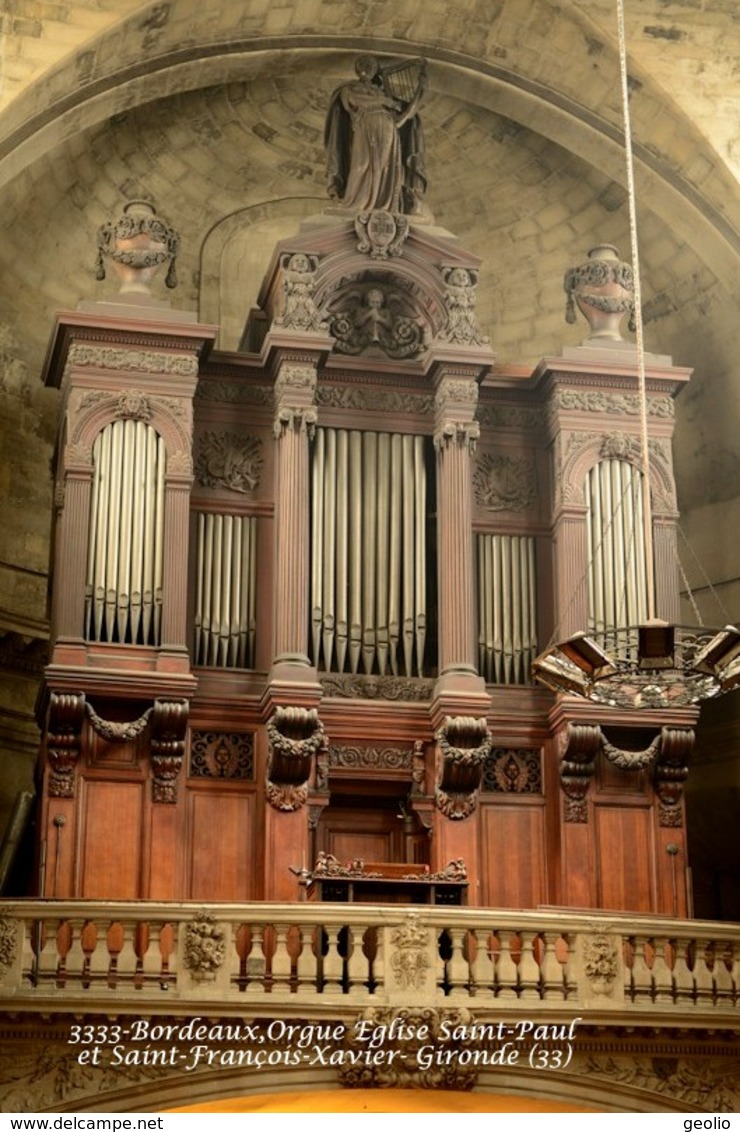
(464, 743)
(409, 959)
(295, 735)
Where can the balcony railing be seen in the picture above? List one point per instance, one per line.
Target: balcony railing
(249, 959)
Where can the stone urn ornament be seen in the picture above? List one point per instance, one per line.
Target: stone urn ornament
(137, 244)
(603, 290)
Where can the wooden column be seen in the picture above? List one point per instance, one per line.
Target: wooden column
(459, 689)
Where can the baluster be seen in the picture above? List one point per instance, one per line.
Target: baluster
(128, 961)
(722, 977)
(151, 957)
(74, 962)
(481, 966)
(553, 986)
(333, 964)
(306, 963)
(378, 963)
(702, 975)
(507, 976)
(28, 930)
(257, 961)
(529, 970)
(683, 980)
(99, 958)
(47, 961)
(457, 967)
(661, 972)
(357, 966)
(281, 964)
(642, 983)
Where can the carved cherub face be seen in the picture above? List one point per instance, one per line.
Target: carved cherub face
(459, 277)
(375, 299)
(299, 262)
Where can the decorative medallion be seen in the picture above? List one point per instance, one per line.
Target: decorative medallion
(216, 754)
(381, 234)
(512, 772)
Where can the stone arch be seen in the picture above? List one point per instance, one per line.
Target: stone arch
(99, 408)
(586, 450)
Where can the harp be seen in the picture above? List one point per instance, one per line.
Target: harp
(403, 80)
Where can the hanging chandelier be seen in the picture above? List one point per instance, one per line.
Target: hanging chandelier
(654, 664)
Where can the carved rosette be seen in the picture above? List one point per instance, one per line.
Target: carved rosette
(581, 743)
(137, 244)
(63, 740)
(295, 735)
(294, 394)
(447, 1071)
(603, 289)
(461, 326)
(299, 311)
(463, 744)
(409, 958)
(204, 947)
(600, 963)
(168, 722)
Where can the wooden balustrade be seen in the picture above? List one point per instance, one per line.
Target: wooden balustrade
(77, 955)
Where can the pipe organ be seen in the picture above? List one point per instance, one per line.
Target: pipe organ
(225, 605)
(297, 590)
(123, 591)
(369, 555)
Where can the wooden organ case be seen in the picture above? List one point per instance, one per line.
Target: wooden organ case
(297, 589)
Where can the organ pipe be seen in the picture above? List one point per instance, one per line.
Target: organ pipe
(123, 589)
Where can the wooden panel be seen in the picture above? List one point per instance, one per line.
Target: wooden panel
(513, 856)
(223, 859)
(367, 846)
(112, 841)
(624, 858)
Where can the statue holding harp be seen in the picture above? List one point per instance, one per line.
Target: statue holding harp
(374, 140)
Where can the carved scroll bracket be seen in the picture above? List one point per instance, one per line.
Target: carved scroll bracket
(168, 722)
(64, 737)
(295, 734)
(463, 744)
(580, 743)
(671, 771)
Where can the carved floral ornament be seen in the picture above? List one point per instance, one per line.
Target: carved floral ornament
(9, 936)
(229, 460)
(409, 956)
(204, 947)
(600, 963)
(83, 354)
(505, 483)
